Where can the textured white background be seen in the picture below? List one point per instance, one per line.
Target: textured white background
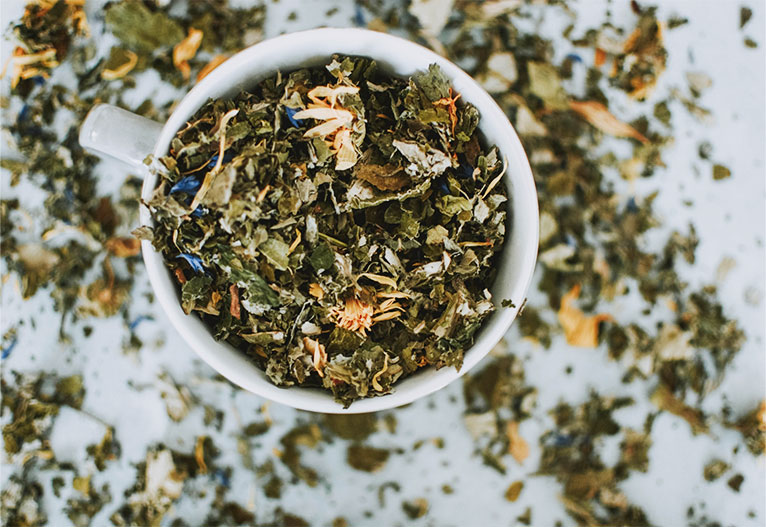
(729, 218)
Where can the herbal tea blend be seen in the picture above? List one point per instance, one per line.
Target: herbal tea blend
(338, 225)
(633, 353)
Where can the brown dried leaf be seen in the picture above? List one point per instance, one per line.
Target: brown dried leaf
(599, 116)
(383, 177)
(664, 399)
(123, 246)
(580, 329)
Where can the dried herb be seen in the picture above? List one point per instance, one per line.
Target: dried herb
(715, 469)
(45, 35)
(77, 250)
(514, 490)
(497, 400)
(735, 482)
(367, 458)
(336, 224)
(570, 453)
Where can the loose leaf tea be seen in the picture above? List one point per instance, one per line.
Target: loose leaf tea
(338, 225)
(612, 278)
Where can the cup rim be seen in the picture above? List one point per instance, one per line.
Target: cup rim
(235, 366)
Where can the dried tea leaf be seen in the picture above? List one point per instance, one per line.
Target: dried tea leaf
(715, 469)
(367, 458)
(663, 398)
(432, 14)
(383, 177)
(140, 28)
(720, 172)
(544, 82)
(514, 490)
(320, 272)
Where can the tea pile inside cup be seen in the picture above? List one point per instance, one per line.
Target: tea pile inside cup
(337, 224)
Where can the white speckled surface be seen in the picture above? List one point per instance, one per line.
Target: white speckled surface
(123, 390)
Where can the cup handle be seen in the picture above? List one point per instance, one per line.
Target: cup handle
(119, 133)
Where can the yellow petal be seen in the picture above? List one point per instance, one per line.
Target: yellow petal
(379, 278)
(186, 50)
(393, 294)
(318, 352)
(375, 383)
(579, 329)
(598, 115)
(328, 92)
(346, 156)
(123, 69)
(517, 447)
(387, 316)
(199, 454)
(324, 114)
(210, 66)
(316, 291)
(324, 129)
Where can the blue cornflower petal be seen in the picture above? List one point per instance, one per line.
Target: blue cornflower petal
(290, 112)
(9, 348)
(465, 170)
(222, 478)
(195, 262)
(574, 57)
(39, 80)
(189, 185)
(197, 213)
(133, 325)
(359, 16)
(631, 206)
(227, 156)
(23, 114)
(442, 187)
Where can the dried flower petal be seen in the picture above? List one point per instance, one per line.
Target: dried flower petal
(210, 66)
(354, 316)
(580, 329)
(123, 69)
(123, 247)
(185, 50)
(517, 446)
(316, 291)
(234, 307)
(318, 353)
(599, 116)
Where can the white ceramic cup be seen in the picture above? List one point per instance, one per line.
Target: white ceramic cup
(130, 138)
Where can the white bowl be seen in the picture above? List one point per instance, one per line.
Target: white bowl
(126, 136)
